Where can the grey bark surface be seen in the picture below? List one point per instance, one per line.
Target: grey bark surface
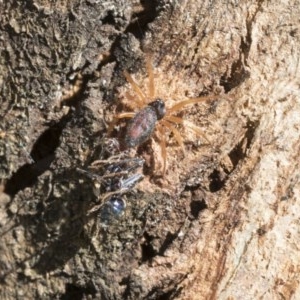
(224, 221)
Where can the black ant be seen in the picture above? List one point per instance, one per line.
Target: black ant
(112, 178)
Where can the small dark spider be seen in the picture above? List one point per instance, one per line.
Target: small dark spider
(153, 114)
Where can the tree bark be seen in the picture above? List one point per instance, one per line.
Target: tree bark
(222, 223)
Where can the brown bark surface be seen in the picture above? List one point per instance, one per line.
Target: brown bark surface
(224, 221)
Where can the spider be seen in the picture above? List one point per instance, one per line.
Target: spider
(150, 113)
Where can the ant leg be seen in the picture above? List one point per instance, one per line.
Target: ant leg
(183, 103)
(176, 133)
(117, 118)
(151, 76)
(189, 124)
(135, 86)
(102, 202)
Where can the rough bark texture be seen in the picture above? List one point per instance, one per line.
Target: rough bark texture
(223, 223)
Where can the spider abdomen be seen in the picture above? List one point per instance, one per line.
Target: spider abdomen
(140, 127)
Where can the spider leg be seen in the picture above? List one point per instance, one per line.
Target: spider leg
(176, 133)
(173, 119)
(189, 124)
(134, 102)
(151, 76)
(135, 86)
(163, 146)
(117, 118)
(197, 130)
(183, 103)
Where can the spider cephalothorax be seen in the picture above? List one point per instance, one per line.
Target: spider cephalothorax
(152, 114)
